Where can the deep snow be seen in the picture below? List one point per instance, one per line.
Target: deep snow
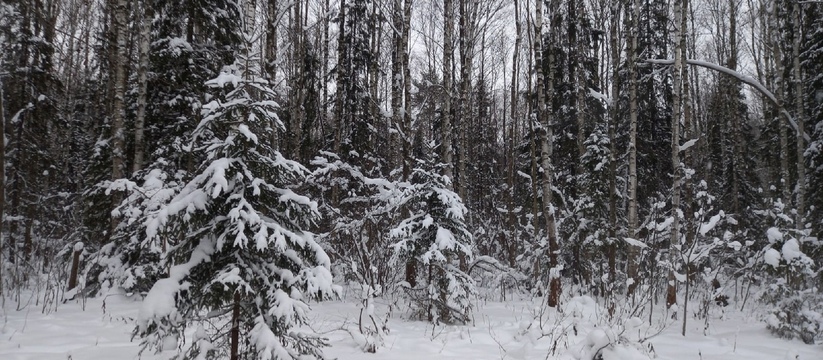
(501, 330)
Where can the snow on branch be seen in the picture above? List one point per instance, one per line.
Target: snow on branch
(635, 242)
(744, 79)
(687, 144)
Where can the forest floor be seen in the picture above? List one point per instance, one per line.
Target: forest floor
(100, 329)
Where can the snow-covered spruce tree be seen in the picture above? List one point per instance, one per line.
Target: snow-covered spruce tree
(589, 225)
(187, 49)
(246, 265)
(433, 235)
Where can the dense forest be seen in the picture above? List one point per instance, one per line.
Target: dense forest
(231, 161)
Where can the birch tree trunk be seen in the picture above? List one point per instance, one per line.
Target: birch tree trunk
(781, 94)
(544, 119)
(271, 41)
(249, 29)
(118, 108)
(398, 138)
(118, 101)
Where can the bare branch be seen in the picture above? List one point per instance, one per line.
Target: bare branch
(744, 79)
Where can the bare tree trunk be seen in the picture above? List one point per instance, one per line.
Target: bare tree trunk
(546, 141)
(341, 77)
(674, 242)
(411, 266)
(467, 11)
(326, 52)
(374, 74)
(2, 183)
(532, 131)
(398, 88)
(735, 117)
(634, 251)
(580, 117)
(118, 101)
(448, 33)
(513, 238)
(785, 181)
(407, 110)
(397, 78)
(75, 265)
(271, 41)
(466, 53)
(580, 90)
(235, 327)
(689, 133)
(142, 70)
(119, 71)
(249, 26)
(613, 114)
(297, 84)
(799, 115)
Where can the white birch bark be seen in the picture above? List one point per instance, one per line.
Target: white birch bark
(546, 144)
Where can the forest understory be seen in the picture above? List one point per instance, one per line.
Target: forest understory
(307, 179)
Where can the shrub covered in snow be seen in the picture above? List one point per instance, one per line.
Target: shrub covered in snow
(797, 305)
(798, 315)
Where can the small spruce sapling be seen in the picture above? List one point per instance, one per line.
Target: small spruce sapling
(434, 234)
(246, 265)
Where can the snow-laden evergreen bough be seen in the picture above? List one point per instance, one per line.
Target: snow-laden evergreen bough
(131, 260)
(242, 258)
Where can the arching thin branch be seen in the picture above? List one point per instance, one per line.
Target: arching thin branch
(744, 79)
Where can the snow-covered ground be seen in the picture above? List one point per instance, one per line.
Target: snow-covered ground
(501, 330)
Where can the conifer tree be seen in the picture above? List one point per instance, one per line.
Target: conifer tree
(434, 234)
(246, 264)
(812, 62)
(186, 48)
